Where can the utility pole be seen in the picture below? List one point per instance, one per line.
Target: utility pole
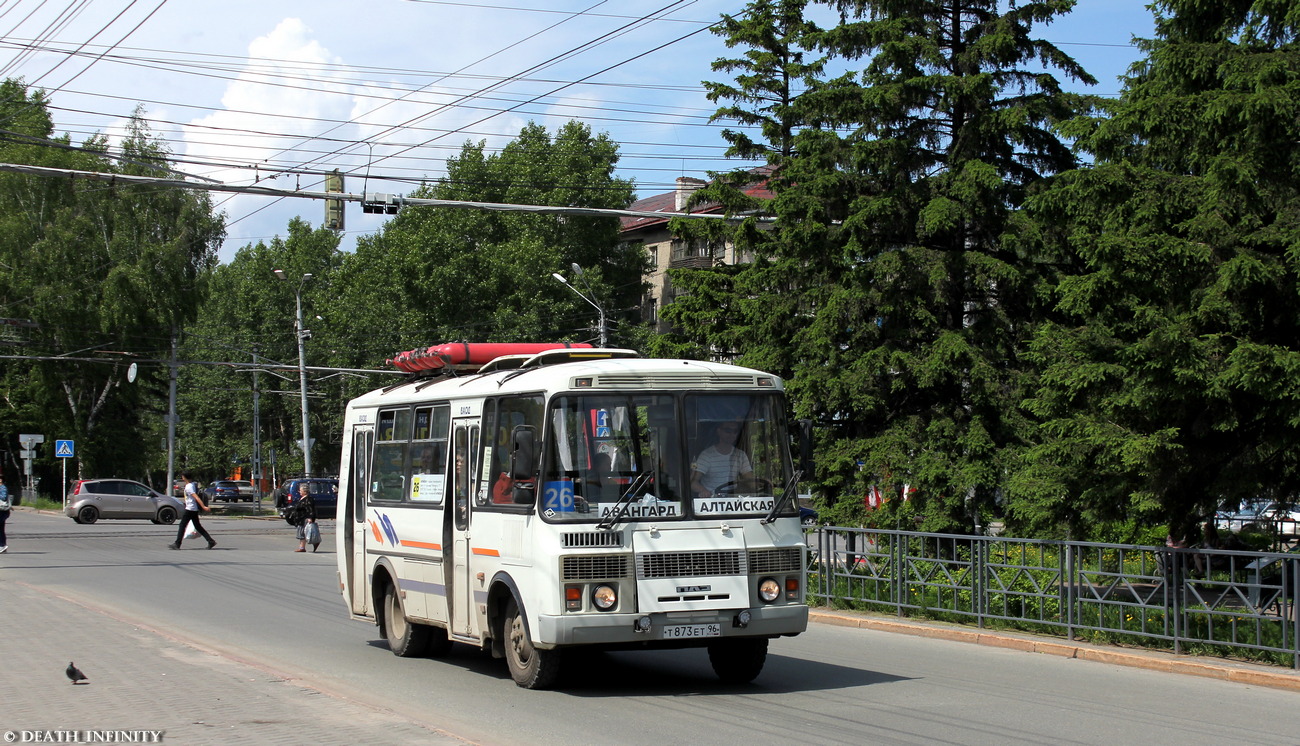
(257, 438)
(171, 417)
(302, 382)
(302, 368)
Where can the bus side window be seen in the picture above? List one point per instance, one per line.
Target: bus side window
(488, 455)
(514, 412)
(460, 482)
(388, 465)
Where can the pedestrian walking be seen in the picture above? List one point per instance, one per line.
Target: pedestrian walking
(193, 504)
(308, 531)
(5, 505)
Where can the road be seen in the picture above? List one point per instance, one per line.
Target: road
(254, 600)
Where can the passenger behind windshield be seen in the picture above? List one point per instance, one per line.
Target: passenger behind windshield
(601, 486)
(721, 466)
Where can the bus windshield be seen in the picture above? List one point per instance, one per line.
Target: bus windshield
(670, 457)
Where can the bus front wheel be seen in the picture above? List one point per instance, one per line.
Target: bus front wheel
(405, 639)
(530, 667)
(738, 660)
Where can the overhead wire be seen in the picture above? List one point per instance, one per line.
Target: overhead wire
(354, 142)
(65, 16)
(534, 68)
(404, 150)
(102, 29)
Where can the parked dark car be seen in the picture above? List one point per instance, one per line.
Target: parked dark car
(92, 499)
(808, 516)
(230, 490)
(324, 492)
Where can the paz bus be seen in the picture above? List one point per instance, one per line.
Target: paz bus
(533, 499)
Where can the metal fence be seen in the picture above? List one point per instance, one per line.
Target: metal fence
(1211, 602)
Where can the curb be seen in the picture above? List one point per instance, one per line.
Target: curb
(1166, 662)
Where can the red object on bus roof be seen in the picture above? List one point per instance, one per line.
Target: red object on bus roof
(471, 353)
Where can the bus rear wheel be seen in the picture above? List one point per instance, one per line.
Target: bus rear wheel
(405, 639)
(738, 660)
(530, 667)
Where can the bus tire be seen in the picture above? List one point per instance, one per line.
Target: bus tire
(406, 639)
(530, 667)
(738, 660)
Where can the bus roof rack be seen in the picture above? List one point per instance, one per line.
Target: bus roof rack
(469, 356)
(555, 357)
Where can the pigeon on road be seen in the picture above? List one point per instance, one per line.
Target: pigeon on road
(75, 674)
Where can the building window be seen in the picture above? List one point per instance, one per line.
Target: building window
(694, 253)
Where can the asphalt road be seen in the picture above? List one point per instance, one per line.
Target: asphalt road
(255, 600)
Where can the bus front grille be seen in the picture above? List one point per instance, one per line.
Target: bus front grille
(784, 559)
(689, 564)
(594, 567)
(582, 539)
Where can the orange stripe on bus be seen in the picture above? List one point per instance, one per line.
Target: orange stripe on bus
(420, 544)
(486, 552)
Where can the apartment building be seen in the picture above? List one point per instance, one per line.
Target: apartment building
(667, 251)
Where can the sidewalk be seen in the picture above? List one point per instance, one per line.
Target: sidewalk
(1257, 674)
(148, 681)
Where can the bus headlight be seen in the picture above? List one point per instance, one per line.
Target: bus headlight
(768, 590)
(604, 597)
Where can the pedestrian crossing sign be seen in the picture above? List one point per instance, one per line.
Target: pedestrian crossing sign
(64, 448)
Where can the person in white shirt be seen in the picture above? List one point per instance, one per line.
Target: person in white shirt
(721, 463)
(193, 504)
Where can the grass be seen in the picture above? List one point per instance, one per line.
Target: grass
(43, 503)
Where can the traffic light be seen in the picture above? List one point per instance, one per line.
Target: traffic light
(334, 207)
(382, 204)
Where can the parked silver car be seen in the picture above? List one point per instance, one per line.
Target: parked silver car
(92, 499)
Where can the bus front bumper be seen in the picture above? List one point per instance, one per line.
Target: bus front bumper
(668, 629)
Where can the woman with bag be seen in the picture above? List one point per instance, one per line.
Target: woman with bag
(5, 505)
(308, 531)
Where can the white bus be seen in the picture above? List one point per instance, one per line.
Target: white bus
(560, 498)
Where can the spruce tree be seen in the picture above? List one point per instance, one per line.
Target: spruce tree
(898, 267)
(1169, 372)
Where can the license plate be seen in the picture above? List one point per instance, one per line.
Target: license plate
(685, 631)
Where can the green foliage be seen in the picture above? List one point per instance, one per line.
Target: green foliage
(1168, 363)
(887, 291)
(438, 275)
(250, 316)
(97, 266)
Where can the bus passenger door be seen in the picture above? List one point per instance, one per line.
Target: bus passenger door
(353, 512)
(460, 591)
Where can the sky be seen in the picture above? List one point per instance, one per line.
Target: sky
(246, 91)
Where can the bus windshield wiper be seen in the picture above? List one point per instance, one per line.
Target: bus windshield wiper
(785, 497)
(620, 507)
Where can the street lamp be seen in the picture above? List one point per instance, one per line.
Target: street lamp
(604, 330)
(302, 369)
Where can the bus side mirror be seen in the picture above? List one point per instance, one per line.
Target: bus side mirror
(523, 449)
(806, 448)
(523, 465)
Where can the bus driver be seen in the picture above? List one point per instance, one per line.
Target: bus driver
(722, 463)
